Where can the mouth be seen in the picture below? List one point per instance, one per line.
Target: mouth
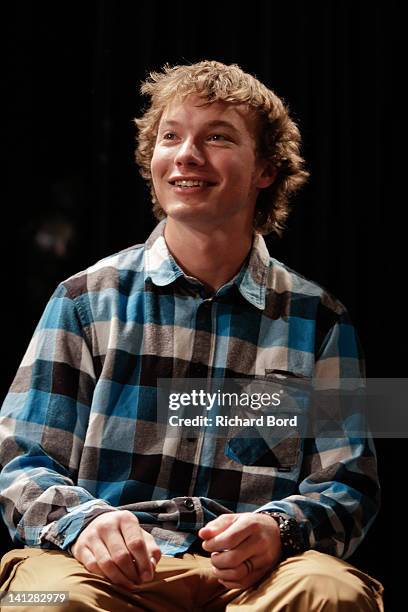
(192, 185)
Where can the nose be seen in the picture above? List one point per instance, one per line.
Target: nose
(189, 154)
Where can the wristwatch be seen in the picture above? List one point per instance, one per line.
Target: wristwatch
(290, 533)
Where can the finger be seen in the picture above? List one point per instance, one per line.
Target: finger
(217, 526)
(229, 558)
(106, 566)
(234, 574)
(249, 566)
(252, 546)
(87, 558)
(252, 566)
(229, 585)
(134, 537)
(153, 550)
(231, 537)
(155, 557)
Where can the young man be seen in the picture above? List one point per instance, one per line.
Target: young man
(108, 507)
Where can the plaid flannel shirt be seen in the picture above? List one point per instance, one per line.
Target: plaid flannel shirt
(76, 433)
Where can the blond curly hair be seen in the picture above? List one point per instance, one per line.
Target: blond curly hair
(278, 137)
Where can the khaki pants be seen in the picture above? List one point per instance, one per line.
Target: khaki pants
(308, 582)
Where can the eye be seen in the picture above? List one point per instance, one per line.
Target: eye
(217, 137)
(169, 136)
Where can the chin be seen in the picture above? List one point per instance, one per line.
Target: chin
(184, 209)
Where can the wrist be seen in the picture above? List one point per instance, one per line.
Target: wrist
(292, 541)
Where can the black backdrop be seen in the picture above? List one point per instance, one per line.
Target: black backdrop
(74, 194)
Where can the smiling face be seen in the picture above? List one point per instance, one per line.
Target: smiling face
(204, 165)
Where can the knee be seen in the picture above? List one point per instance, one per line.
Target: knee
(328, 584)
(337, 593)
(52, 572)
(84, 592)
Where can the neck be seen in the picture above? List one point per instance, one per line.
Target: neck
(213, 258)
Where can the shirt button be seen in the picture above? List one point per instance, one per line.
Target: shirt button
(189, 504)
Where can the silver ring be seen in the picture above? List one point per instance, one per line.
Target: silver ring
(249, 565)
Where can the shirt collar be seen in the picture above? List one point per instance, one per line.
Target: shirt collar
(162, 268)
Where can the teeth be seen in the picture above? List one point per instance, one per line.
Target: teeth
(185, 183)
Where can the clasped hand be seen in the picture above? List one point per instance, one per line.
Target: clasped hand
(244, 547)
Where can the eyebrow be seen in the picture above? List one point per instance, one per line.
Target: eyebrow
(213, 123)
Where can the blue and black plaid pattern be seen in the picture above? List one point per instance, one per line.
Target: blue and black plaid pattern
(77, 430)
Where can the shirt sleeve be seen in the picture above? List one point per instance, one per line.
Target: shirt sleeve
(43, 423)
(338, 488)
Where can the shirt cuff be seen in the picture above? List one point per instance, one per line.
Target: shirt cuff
(63, 532)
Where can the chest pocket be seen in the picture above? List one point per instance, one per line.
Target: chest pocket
(283, 455)
(271, 444)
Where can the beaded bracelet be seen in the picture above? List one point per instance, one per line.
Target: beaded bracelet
(291, 535)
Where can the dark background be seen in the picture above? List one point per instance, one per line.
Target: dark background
(74, 195)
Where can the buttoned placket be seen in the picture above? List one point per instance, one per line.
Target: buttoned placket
(206, 317)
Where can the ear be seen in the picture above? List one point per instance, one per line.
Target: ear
(266, 176)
